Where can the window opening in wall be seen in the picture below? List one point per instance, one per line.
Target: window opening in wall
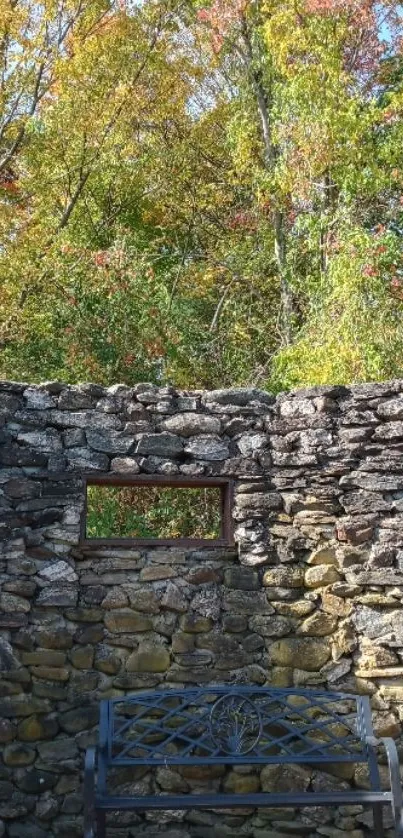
(156, 510)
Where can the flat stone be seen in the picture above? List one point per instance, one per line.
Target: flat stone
(319, 576)
(195, 624)
(110, 442)
(108, 660)
(37, 728)
(51, 673)
(12, 604)
(318, 624)
(283, 778)
(78, 719)
(299, 608)
(19, 455)
(336, 605)
(251, 443)
(149, 658)
(389, 430)
(234, 623)
(323, 555)
(136, 681)
(375, 577)
(115, 598)
(7, 731)
(57, 639)
(173, 599)
(343, 589)
(141, 599)
(241, 784)
(373, 657)
(239, 396)
(84, 419)
(125, 465)
(48, 441)
(87, 459)
(272, 626)
(75, 398)
(157, 572)
(241, 578)
(18, 754)
(246, 602)
(376, 624)
(21, 587)
(356, 532)
(335, 671)
(304, 653)
(56, 596)
(74, 438)
(36, 399)
(59, 570)
(22, 488)
(8, 658)
(124, 620)
(281, 676)
(257, 504)
(84, 615)
(35, 781)
(284, 577)
(160, 445)
(43, 656)
(82, 657)
(386, 672)
(209, 448)
(192, 424)
(386, 724)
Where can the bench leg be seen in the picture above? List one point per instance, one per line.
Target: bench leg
(89, 793)
(395, 782)
(378, 820)
(101, 823)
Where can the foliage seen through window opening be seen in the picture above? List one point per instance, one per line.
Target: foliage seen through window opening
(160, 512)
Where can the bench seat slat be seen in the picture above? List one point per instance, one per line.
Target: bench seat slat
(311, 759)
(229, 801)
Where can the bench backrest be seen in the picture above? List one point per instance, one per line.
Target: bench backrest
(233, 725)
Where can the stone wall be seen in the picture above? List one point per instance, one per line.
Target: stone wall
(311, 595)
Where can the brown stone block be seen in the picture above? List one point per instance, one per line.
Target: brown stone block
(18, 754)
(321, 575)
(241, 783)
(82, 657)
(51, 673)
(318, 624)
(283, 778)
(149, 658)
(37, 727)
(195, 624)
(304, 653)
(125, 620)
(43, 657)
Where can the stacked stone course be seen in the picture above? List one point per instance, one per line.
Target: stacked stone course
(311, 595)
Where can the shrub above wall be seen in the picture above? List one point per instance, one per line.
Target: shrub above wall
(306, 591)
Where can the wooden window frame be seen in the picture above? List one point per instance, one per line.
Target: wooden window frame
(226, 538)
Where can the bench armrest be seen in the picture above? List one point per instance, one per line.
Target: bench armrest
(89, 792)
(389, 746)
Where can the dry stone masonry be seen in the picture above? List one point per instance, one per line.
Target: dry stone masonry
(310, 595)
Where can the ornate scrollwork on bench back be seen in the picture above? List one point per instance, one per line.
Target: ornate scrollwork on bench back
(234, 725)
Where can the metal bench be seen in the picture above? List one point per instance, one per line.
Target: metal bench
(234, 726)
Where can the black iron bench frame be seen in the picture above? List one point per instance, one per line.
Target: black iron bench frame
(231, 725)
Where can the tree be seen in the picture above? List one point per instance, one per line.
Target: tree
(201, 194)
(327, 90)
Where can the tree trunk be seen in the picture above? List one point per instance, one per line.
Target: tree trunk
(285, 290)
(270, 152)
